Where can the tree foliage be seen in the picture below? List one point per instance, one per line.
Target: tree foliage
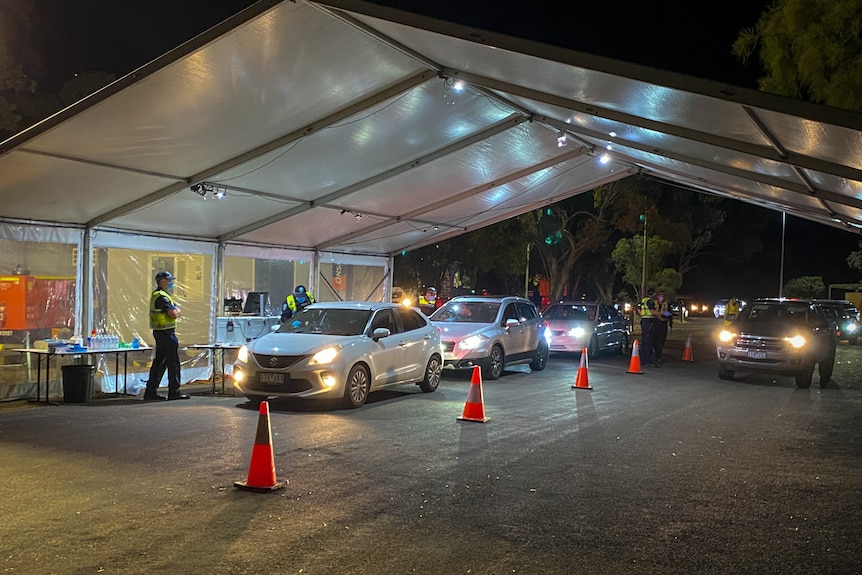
(628, 255)
(499, 250)
(854, 260)
(810, 50)
(805, 287)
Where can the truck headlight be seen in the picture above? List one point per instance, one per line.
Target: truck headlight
(726, 336)
(796, 341)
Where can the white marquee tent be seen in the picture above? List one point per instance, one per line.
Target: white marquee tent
(341, 131)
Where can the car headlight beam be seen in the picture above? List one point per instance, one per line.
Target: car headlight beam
(796, 341)
(726, 336)
(472, 342)
(578, 332)
(324, 356)
(242, 354)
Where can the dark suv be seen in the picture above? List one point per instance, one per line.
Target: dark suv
(781, 337)
(845, 315)
(492, 332)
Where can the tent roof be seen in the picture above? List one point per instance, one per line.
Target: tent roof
(338, 126)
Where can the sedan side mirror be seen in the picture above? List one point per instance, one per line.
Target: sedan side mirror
(380, 333)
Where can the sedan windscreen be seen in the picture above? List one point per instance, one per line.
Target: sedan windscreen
(570, 313)
(327, 321)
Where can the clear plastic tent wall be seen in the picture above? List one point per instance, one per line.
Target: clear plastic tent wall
(48, 291)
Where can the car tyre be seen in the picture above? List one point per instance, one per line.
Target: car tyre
(623, 347)
(356, 387)
(493, 368)
(432, 374)
(803, 377)
(541, 360)
(724, 373)
(592, 348)
(825, 369)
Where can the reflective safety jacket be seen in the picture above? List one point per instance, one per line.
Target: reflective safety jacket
(159, 318)
(648, 308)
(293, 305)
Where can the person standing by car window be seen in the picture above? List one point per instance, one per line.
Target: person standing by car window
(731, 310)
(299, 299)
(649, 318)
(163, 321)
(662, 326)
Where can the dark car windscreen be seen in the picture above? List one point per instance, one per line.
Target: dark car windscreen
(775, 312)
(570, 313)
(327, 321)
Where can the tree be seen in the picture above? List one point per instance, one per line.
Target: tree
(854, 260)
(587, 222)
(500, 248)
(628, 255)
(805, 287)
(810, 50)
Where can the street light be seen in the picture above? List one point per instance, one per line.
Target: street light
(643, 277)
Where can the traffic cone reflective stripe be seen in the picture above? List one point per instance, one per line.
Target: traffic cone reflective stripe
(582, 381)
(474, 409)
(635, 363)
(686, 353)
(261, 471)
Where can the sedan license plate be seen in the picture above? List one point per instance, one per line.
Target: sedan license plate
(272, 378)
(756, 355)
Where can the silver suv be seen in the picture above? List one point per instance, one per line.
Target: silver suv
(781, 337)
(492, 332)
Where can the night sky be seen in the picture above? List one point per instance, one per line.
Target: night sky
(683, 36)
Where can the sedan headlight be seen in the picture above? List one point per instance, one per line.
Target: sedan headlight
(796, 341)
(851, 327)
(576, 332)
(726, 336)
(242, 354)
(324, 356)
(472, 342)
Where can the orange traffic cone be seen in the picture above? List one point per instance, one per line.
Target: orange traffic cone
(686, 353)
(474, 409)
(261, 471)
(582, 381)
(635, 364)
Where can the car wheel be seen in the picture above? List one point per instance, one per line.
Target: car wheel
(493, 368)
(541, 359)
(256, 399)
(593, 348)
(724, 373)
(825, 368)
(432, 374)
(803, 378)
(623, 348)
(356, 386)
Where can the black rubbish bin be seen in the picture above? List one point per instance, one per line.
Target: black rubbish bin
(78, 383)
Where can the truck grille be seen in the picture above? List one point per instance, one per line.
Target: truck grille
(760, 343)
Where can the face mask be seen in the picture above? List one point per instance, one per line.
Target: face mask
(171, 285)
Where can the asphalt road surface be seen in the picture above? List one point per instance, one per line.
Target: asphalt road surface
(669, 472)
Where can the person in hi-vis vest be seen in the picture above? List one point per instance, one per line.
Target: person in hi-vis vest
(163, 321)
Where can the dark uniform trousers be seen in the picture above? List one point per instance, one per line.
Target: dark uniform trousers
(166, 358)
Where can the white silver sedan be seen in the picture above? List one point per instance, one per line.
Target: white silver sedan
(341, 350)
